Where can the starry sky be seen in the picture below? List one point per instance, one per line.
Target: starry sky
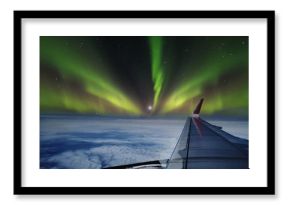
(143, 75)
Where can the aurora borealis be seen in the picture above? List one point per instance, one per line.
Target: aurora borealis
(126, 75)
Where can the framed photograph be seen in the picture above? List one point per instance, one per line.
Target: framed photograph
(144, 102)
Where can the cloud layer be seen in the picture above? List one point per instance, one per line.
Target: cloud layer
(90, 142)
(84, 142)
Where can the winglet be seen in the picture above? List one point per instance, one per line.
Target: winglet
(197, 108)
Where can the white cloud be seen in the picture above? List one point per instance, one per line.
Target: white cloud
(90, 142)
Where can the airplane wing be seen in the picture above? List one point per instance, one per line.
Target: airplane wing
(202, 145)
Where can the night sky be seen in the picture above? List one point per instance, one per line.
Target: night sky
(145, 75)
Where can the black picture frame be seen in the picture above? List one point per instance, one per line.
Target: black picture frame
(269, 189)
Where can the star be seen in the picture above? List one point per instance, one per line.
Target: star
(81, 44)
(149, 108)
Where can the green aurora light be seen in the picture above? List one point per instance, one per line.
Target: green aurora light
(156, 67)
(97, 75)
(90, 72)
(193, 85)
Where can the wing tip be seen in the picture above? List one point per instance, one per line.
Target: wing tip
(198, 107)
